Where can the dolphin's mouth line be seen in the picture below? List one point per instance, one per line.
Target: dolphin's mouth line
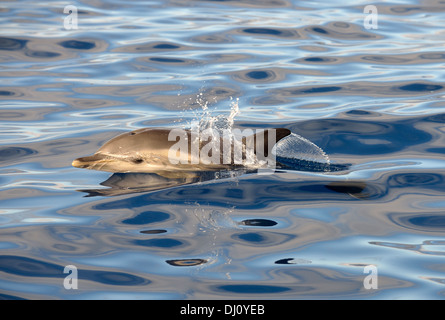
(101, 164)
(90, 162)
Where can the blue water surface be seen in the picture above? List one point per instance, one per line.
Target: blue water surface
(369, 92)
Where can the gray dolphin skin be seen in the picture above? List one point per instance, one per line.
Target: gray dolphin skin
(147, 150)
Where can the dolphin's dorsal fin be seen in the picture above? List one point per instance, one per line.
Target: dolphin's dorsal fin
(280, 133)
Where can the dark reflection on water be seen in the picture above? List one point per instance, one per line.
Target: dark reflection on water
(127, 183)
(13, 153)
(41, 54)
(284, 261)
(271, 32)
(160, 243)
(250, 195)
(252, 289)
(337, 30)
(419, 87)
(367, 137)
(427, 222)
(241, 221)
(416, 180)
(360, 89)
(259, 222)
(76, 44)
(146, 218)
(12, 44)
(262, 239)
(341, 30)
(377, 59)
(167, 60)
(6, 93)
(186, 262)
(22, 266)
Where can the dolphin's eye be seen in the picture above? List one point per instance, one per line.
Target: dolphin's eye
(137, 160)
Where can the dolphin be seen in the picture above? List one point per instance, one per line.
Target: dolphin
(146, 150)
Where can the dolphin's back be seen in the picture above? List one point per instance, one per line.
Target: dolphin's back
(146, 140)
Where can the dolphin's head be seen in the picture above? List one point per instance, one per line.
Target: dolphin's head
(142, 150)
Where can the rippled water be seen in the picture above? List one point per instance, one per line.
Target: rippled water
(370, 98)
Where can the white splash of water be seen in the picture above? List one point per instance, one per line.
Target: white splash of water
(204, 118)
(295, 146)
(221, 123)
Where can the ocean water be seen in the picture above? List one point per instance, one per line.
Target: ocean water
(366, 87)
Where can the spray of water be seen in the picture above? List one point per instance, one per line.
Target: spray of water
(292, 150)
(295, 146)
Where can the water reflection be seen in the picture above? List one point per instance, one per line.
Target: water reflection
(13, 153)
(12, 44)
(186, 262)
(128, 183)
(78, 45)
(427, 221)
(359, 89)
(22, 266)
(429, 247)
